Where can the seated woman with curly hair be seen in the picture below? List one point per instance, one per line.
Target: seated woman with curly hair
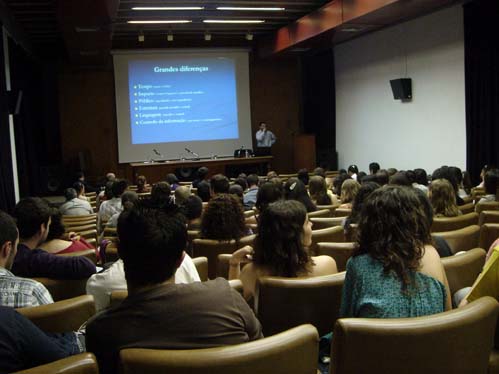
(395, 272)
(443, 198)
(349, 190)
(280, 248)
(223, 219)
(319, 193)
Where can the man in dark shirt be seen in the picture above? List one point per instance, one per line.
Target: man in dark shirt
(159, 313)
(33, 222)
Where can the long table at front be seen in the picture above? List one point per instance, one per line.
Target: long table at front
(231, 167)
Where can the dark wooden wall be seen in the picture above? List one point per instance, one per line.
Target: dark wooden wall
(88, 118)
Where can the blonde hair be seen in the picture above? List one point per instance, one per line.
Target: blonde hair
(443, 198)
(349, 190)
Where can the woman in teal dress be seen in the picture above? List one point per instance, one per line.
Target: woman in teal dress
(395, 271)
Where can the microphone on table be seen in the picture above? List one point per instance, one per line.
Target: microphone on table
(192, 153)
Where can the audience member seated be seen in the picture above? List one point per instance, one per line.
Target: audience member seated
(319, 193)
(192, 208)
(320, 172)
(360, 176)
(33, 221)
(491, 184)
(219, 183)
(112, 206)
(73, 205)
(23, 345)
(57, 243)
(443, 199)
(202, 175)
(373, 168)
(394, 271)
(458, 175)
(303, 176)
(204, 191)
(172, 180)
(391, 172)
(268, 193)
(16, 292)
(353, 170)
(128, 199)
(181, 194)
(80, 177)
(272, 174)
(237, 191)
(223, 219)
(157, 312)
(161, 194)
(241, 181)
(284, 233)
(382, 177)
(142, 186)
(445, 172)
(294, 189)
(400, 179)
(80, 190)
(349, 190)
(420, 180)
(338, 182)
(358, 202)
(484, 171)
(106, 194)
(249, 199)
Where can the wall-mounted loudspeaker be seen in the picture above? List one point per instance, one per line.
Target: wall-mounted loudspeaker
(402, 89)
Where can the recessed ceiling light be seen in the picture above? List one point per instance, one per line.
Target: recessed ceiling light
(232, 21)
(160, 21)
(168, 8)
(265, 9)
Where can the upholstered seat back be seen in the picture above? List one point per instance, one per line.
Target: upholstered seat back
(463, 269)
(462, 239)
(441, 224)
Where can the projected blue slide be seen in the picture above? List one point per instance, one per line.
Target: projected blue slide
(182, 100)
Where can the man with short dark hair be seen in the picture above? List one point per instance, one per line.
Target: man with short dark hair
(157, 312)
(112, 206)
(202, 175)
(33, 221)
(219, 184)
(16, 292)
(249, 199)
(373, 168)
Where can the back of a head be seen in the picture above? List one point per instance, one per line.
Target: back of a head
(393, 229)
(458, 174)
(400, 179)
(391, 171)
(374, 167)
(160, 194)
(318, 190)
(70, 194)
(129, 199)
(119, 186)
(236, 190)
(364, 191)
(110, 177)
(338, 182)
(278, 245)
(8, 229)
(78, 187)
(491, 181)
(181, 194)
(303, 176)
(141, 181)
(57, 228)
(171, 179)
(223, 218)
(421, 177)
(242, 182)
(220, 184)
(108, 191)
(151, 243)
(445, 172)
(202, 172)
(268, 193)
(192, 207)
(353, 169)
(411, 176)
(204, 191)
(349, 189)
(320, 171)
(272, 174)
(294, 189)
(252, 180)
(382, 177)
(443, 198)
(31, 213)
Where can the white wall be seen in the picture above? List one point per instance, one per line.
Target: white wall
(427, 132)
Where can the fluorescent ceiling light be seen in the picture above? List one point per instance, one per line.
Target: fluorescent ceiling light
(232, 21)
(265, 9)
(168, 8)
(161, 21)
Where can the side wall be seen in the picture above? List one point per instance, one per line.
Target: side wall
(88, 119)
(427, 132)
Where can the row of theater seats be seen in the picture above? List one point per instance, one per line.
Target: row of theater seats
(458, 341)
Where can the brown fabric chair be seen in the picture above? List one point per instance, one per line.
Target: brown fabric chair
(212, 248)
(223, 265)
(62, 289)
(61, 316)
(283, 303)
(463, 269)
(462, 239)
(489, 232)
(89, 253)
(441, 224)
(469, 207)
(323, 223)
(457, 341)
(341, 252)
(330, 234)
(492, 205)
(84, 363)
(201, 264)
(294, 351)
(488, 216)
(342, 212)
(320, 213)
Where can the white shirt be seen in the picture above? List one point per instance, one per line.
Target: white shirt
(101, 285)
(109, 207)
(76, 207)
(265, 138)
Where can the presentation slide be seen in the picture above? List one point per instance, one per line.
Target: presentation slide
(193, 99)
(170, 100)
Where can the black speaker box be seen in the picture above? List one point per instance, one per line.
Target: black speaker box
(401, 88)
